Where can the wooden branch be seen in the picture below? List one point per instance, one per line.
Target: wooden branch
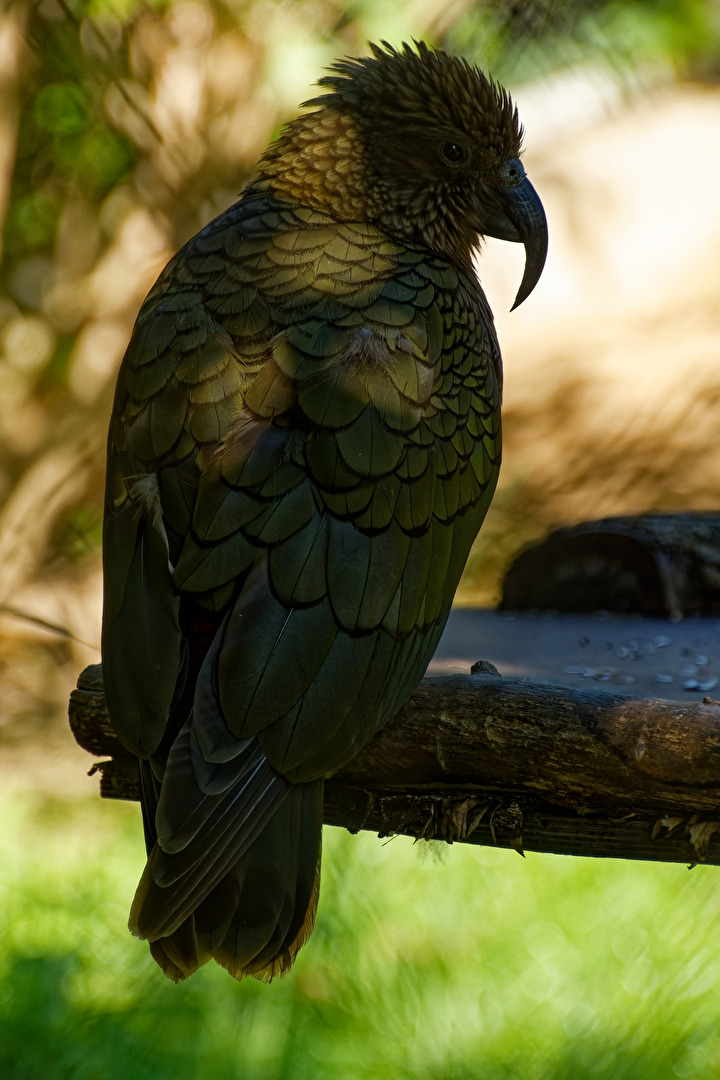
(512, 763)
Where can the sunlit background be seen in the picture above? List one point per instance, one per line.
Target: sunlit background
(123, 129)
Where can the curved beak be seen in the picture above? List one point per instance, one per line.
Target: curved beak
(522, 220)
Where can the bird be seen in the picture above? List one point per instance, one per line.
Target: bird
(305, 439)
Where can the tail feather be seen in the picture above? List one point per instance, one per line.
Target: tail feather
(234, 855)
(277, 959)
(250, 912)
(192, 787)
(174, 885)
(180, 954)
(237, 818)
(149, 796)
(279, 886)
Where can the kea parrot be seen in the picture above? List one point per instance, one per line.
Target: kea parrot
(304, 442)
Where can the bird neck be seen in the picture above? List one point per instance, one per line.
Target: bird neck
(322, 162)
(318, 162)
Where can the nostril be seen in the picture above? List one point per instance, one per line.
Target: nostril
(512, 172)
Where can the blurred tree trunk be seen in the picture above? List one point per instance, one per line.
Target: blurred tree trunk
(12, 28)
(491, 760)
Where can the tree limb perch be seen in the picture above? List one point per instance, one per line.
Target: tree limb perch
(510, 763)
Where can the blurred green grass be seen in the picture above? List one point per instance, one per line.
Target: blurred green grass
(474, 965)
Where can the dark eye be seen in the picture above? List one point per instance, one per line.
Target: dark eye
(453, 152)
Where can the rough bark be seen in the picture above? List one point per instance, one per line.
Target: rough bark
(507, 762)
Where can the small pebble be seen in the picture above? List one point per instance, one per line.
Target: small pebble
(623, 652)
(661, 641)
(691, 684)
(701, 661)
(664, 677)
(578, 669)
(708, 684)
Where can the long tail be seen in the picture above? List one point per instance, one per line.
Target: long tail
(242, 892)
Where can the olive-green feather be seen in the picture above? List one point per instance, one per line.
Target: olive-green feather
(368, 447)
(298, 565)
(334, 398)
(202, 568)
(138, 597)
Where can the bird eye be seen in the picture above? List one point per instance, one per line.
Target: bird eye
(453, 152)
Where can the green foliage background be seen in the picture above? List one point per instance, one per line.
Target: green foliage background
(123, 128)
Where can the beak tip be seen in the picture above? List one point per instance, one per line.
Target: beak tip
(527, 286)
(532, 225)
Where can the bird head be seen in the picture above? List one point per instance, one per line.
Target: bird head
(423, 145)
